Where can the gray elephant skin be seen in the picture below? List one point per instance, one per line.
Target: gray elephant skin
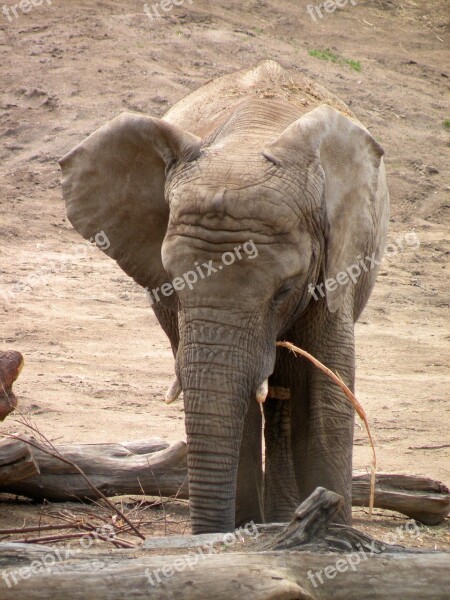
(255, 210)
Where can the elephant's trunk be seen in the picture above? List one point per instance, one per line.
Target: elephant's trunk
(217, 388)
(212, 463)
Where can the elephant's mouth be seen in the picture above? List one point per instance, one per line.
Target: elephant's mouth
(263, 391)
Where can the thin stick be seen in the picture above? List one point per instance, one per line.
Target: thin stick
(34, 528)
(56, 454)
(95, 489)
(77, 523)
(352, 398)
(87, 529)
(118, 542)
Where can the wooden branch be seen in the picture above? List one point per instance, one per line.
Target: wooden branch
(16, 462)
(127, 468)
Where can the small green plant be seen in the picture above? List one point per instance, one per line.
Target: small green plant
(447, 123)
(324, 54)
(354, 64)
(335, 58)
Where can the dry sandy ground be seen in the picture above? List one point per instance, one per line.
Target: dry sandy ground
(97, 363)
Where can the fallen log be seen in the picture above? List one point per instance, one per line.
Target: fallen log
(115, 469)
(240, 576)
(310, 572)
(156, 469)
(16, 462)
(421, 498)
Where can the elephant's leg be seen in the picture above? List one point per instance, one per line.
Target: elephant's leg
(322, 417)
(249, 496)
(280, 489)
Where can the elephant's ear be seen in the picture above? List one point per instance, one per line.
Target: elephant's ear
(339, 160)
(113, 185)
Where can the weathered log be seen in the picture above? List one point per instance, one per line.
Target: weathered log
(41, 573)
(310, 521)
(311, 529)
(16, 462)
(115, 469)
(239, 576)
(420, 498)
(118, 469)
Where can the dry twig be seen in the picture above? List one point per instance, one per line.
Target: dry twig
(47, 447)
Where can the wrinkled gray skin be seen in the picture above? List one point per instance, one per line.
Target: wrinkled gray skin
(259, 155)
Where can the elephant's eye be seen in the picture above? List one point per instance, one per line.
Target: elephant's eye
(170, 164)
(283, 292)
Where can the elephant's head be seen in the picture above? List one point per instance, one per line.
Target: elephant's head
(254, 218)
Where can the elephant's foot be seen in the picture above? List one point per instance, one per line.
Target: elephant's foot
(246, 515)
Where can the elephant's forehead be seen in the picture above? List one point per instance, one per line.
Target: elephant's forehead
(260, 207)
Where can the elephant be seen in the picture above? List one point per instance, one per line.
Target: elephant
(271, 168)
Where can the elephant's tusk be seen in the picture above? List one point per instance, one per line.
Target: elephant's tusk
(262, 391)
(173, 392)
